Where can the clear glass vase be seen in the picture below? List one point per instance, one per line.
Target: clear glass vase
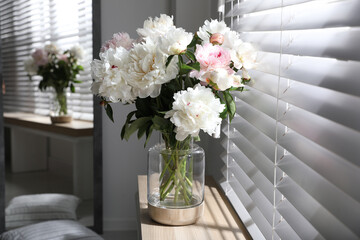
(59, 112)
(176, 182)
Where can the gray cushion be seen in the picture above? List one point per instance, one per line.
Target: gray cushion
(29, 209)
(51, 230)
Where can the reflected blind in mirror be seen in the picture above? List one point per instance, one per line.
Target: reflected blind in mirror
(28, 24)
(293, 150)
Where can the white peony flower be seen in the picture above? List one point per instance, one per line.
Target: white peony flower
(115, 56)
(77, 51)
(243, 55)
(108, 74)
(231, 40)
(159, 26)
(146, 70)
(221, 79)
(30, 67)
(212, 27)
(51, 48)
(193, 110)
(118, 40)
(175, 41)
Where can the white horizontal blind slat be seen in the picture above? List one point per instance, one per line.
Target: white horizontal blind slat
(285, 231)
(310, 15)
(240, 208)
(330, 196)
(250, 6)
(298, 222)
(324, 222)
(325, 133)
(303, 149)
(247, 166)
(254, 212)
(331, 74)
(327, 43)
(297, 123)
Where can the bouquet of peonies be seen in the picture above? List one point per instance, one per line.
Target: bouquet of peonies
(180, 83)
(58, 70)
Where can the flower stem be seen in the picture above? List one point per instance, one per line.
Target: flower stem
(61, 99)
(176, 175)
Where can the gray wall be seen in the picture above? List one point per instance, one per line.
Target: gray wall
(123, 161)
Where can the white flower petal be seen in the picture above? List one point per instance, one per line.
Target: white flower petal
(193, 110)
(146, 69)
(109, 76)
(153, 28)
(175, 41)
(213, 26)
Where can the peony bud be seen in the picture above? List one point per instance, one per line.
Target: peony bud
(217, 38)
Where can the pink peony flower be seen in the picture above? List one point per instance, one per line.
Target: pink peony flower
(63, 57)
(212, 56)
(40, 57)
(217, 38)
(118, 40)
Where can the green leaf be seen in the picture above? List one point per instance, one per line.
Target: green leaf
(129, 116)
(187, 67)
(190, 55)
(196, 66)
(126, 124)
(161, 123)
(236, 89)
(194, 41)
(123, 130)
(172, 85)
(148, 134)
(184, 68)
(197, 139)
(230, 104)
(77, 81)
(169, 60)
(188, 83)
(135, 125)
(223, 114)
(109, 112)
(143, 129)
(180, 62)
(72, 88)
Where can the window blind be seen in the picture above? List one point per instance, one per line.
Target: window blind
(28, 24)
(293, 150)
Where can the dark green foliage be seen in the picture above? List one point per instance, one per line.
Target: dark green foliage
(59, 74)
(109, 112)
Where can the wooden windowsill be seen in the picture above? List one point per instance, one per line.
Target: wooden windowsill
(218, 222)
(75, 128)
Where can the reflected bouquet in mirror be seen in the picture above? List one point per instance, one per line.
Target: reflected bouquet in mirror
(58, 69)
(180, 83)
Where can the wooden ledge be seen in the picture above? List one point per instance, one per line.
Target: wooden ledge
(76, 128)
(218, 222)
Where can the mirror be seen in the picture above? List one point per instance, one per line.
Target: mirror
(13, 183)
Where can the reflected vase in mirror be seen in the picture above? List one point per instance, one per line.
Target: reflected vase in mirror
(59, 112)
